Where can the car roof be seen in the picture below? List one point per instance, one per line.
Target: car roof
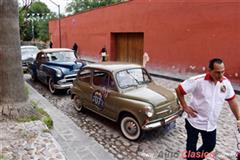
(56, 49)
(29, 47)
(113, 66)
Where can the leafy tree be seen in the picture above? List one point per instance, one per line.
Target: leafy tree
(81, 5)
(35, 18)
(39, 7)
(22, 15)
(43, 31)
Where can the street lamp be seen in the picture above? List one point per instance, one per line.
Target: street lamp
(59, 23)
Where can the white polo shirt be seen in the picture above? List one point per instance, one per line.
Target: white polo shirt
(207, 99)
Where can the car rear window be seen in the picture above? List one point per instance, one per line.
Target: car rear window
(85, 75)
(103, 79)
(99, 78)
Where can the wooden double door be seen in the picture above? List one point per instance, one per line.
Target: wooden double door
(129, 47)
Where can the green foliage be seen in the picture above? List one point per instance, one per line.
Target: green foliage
(1, 157)
(82, 5)
(39, 7)
(40, 114)
(28, 118)
(34, 104)
(46, 130)
(41, 111)
(43, 31)
(48, 121)
(34, 19)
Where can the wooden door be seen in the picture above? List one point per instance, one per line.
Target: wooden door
(129, 47)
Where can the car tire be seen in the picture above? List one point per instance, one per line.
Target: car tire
(51, 86)
(33, 77)
(130, 128)
(78, 105)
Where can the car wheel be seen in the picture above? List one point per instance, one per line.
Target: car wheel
(51, 86)
(33, 77)
(78, 103)
(130, 128)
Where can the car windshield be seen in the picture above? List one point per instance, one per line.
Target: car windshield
(28, 53)
(62, 56)
(132, 78)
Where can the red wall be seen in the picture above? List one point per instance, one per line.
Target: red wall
(180, 36)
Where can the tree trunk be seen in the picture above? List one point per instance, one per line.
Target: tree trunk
(13, 100)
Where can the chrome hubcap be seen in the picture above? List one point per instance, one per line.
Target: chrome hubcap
(131, 127)
(78, 104)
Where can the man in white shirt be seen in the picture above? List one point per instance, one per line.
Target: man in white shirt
(209, 91)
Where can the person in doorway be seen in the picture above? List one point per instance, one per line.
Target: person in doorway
(103, 53)
(145, 59)
(50, 44)
(209, 91)
(75, 49)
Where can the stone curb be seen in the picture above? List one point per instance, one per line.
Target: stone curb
(75, 144)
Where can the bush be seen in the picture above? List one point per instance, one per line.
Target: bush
(48, 121)
(39, 114)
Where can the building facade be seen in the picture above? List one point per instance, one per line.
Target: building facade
(178, 36)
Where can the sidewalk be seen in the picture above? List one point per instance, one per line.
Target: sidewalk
(181, 77)
(75, 144)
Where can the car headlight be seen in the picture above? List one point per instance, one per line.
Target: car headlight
(58, 73)
(149, 111)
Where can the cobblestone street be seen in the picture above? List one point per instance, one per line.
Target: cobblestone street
(28, 141)
(159, 144)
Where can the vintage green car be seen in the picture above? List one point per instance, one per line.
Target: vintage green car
(125, 93)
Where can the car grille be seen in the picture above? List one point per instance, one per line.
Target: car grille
(165, 110)
(24, 63)
(70, 78)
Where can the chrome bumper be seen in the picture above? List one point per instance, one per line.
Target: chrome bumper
(163, 121)
(66, 82)
(25, 69)
(63, 86)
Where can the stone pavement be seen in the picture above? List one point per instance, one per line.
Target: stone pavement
(76, 145)
(28, 141)
(71, 143)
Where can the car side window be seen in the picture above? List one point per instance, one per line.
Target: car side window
(85, 75)
(103, 79)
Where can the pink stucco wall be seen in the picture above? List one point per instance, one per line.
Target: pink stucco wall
(179, 35)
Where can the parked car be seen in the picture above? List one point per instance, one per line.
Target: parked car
(125, 93)
(56, 67)
(28, 54)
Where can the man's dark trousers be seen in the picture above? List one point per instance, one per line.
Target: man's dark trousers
(208, 138)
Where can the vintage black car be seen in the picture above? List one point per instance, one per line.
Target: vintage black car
(125, 93)
(56, 67)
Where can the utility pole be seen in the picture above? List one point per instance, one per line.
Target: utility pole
(59, 23)
(33, 36)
